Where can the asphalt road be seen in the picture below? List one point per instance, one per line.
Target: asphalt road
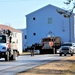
(26, 62)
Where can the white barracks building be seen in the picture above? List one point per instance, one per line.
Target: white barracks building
(16, 36)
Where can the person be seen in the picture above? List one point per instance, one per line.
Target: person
(32, 50)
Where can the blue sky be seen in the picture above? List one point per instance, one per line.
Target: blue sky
(12, 12)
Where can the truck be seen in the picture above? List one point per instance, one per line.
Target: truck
(7, 49)
(48, 45)
(67, 48)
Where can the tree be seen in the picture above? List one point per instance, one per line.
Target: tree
(67, 13)
(68, 2)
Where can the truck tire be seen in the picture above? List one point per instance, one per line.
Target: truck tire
(72, 54)
(13, 57)
(7, 56)
(64, 54)
(60, 54)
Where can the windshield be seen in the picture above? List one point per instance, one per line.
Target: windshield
(69, 44)
(2, 39)
(47, 39)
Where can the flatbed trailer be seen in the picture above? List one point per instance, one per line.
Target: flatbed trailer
(48, 45)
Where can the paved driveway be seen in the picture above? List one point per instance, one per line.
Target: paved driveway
(26, 62)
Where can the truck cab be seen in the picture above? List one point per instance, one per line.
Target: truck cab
(50, 45)
(6, 48)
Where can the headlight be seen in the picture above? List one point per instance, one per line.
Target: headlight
(4, 48)
(71, 49)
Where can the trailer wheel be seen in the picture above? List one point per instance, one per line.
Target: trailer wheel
(7, 56)
(41, 52)
(55, 51)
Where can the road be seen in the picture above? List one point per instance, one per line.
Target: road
(26, 62)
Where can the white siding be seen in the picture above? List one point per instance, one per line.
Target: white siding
(17, 38)
(19, 42)
(24, 41)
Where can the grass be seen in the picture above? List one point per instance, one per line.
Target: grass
(71, 71)
(65, 66)
(71, 68)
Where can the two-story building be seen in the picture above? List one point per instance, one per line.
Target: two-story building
(48, 22)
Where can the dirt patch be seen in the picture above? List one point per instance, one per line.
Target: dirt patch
(65, 66)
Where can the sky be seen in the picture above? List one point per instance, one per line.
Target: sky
(12, 12)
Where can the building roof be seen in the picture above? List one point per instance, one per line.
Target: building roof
(42, 8)
(45, 7)
(8, 27)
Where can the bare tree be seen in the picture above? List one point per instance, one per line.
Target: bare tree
(67, 13)
(68, 2)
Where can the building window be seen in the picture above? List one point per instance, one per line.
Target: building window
(34, 34)
(49, 20)
(34, 18)
(25, 36)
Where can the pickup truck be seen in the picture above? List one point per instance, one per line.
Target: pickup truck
(67, 48)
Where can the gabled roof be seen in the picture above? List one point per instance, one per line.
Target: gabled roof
(44, 7)
(8, 27)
